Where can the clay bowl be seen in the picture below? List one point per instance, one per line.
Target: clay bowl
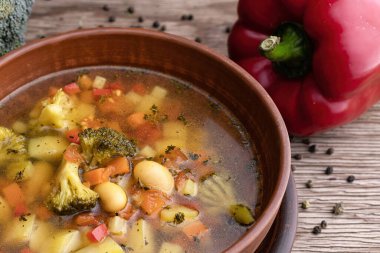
(181, 58)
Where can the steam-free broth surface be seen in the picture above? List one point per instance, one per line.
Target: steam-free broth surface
(111, 159)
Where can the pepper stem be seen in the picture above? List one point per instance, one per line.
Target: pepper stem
(289, 48)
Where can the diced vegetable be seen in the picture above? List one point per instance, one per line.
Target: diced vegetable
(242, 214)
(82, 111)
(168, 247)
(20, 209)
(190, 188)
(195, 229)
(139, 88)
(19, 230)
(118, 166)
(106, 246)
(98, 234)
(147, 102)
(48, 148)
(175, 129)
(159, 92)
(72, 154)
(72, 135)
(84, 82)
(117, 225)
(135, 120)
(71, 88)
(62, 241)
(152, 201)
(133, 97)
(140, 237)
(20, 171)
(127, 212)
(36, 186)
(13, 195)
(87, 219)
(113, 198)
(101, 92)
(154, 176)
(177, 214)
(19, 127)
(99, 82)
(41, 232)
(147, 151)
(97, 176)
(26, 250)
(5, 211)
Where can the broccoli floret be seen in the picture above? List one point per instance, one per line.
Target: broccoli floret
(100, 145)
(69, 195)
(12, 146)
(13, 17)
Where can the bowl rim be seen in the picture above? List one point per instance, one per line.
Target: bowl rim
(270, 212)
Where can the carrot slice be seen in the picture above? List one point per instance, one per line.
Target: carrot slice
(73, 135)
(87, 219)
(43, 213)
(119, 166)
(136, 119)
(96, 176)
(13, 195)
(152, 201)
(195, 229)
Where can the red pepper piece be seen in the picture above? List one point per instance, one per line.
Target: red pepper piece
(98, 233)
(73, 135)
(101, 92)
(71, 88)
(20, 209)
(26, 250)
(321, 68)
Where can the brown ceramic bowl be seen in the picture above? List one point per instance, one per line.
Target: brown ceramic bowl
(181, 58)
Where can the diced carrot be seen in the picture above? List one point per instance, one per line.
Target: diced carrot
(114, 125)
(139, 88)
(73, 135)
(71, 88)
(127, 212)
(176, 155)
(87, 219)
(135, 120)
(43, 212)
(72, 154)
(87, 96)
(20, 209)
(87, 184)
(97, 176)
(115, 86)
(26, 250)
(52, 91)
(98, 233)
(152, 201)
(147, 133)
(195, 229)
(108, 106)
(119, 165)
(101, 92)
(13, 194)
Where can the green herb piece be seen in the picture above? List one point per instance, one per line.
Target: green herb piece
(179, 218)
(194, 156)
(338, 209)
(169, 149)
(155, 116)
(182, 118)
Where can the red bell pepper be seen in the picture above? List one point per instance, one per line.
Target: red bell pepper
(98, 233)
(71, 88)
(321, 61)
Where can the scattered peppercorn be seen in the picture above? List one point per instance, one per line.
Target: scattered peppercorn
(330, 151)
(163, 28)
(105, 8)
(190, 17)
(156, 24)
(306, 141)
(309, 184)
(183, 17)
(312, 148)
(140, 19)
(293, 167)
(305, 204)
(187, 17)
(297, 156)
(111, 19)
(329, 170)
(351, 179)
(338, 209)
(131, 10)
(323, 224)
(227, 30)
(317, 230)
(199, 40)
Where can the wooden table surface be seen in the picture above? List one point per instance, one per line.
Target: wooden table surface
(356, 145)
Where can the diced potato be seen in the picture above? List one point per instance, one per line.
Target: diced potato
(42, 231)
(99, 82)
(20, 171)
(177, 214)
(107, 245)
(117, 225)
(48, 148)
(5, 211)
(43, 172)
(161, 145)
(190, 188)
(174, 129)
(82, 110)
(133, 97)
(147, 102)
(159, 92)
(168, 247)
(85, 82)
(52, 115)
(19, 230)
(147, 151)
(140, 237)
(62, 241)
(19, 127)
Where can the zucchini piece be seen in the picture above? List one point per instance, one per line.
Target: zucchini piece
(19, 230)
(106, 246)
(168, 247)
(177, 214)
(140, 237)
(48, 148)
(20, 171)
(5, 211)
(242, 214)
(63, 241)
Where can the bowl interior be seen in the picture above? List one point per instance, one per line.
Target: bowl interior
(183, 59)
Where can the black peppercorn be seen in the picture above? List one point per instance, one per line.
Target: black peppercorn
(227, 30)
(297, 156)
(350, 179)
(309, 184)
(105, 8)
(329, 170)
(323, 224)
(312, 148)
(163, 28)
(111, 19)
(199, 40)
(317, 230)
(329, 151)
(156, 24)
(190, 17)
(306, 141)
(131, 10)
(293, 167)
(140, 19)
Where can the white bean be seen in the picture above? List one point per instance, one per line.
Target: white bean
(154, 176)
(113, 198)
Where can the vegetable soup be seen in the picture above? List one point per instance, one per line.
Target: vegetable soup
(112, 159)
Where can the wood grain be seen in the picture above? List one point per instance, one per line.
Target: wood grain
(357, 145)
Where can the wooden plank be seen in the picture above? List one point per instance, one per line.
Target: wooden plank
(357, 145)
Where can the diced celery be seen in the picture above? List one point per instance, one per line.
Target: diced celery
(99, 82)
(159, 92)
